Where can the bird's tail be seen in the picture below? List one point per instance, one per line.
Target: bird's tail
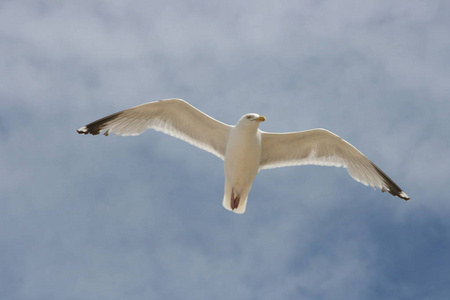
(234, 201)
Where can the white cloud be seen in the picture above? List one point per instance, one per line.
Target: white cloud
(109, 217)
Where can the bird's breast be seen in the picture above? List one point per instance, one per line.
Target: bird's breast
(242, 158)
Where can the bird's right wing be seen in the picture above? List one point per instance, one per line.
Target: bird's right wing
(322, 147)
(175, 117)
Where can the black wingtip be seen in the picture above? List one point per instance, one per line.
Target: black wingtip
(392, 188)
(96, 127)
(82, 131)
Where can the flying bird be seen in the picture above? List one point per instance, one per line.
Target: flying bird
(244, 148)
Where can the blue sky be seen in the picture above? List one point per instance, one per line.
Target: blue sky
(86, 217)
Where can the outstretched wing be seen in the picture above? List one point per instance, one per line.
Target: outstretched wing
(175, 117)
(322, 147)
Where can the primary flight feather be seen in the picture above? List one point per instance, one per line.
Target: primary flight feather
(244, 148)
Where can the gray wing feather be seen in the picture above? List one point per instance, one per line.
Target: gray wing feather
(175, 117)
(322, 147)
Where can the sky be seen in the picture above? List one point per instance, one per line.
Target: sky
(94, 217)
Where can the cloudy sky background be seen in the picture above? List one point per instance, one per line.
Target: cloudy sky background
(85, 217)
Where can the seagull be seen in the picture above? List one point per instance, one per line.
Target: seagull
(244, 148)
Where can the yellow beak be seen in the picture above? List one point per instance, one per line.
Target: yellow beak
(261, 118)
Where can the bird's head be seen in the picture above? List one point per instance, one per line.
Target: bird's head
(251, 119)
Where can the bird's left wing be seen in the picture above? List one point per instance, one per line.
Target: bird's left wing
(175, 117)
(322, 147)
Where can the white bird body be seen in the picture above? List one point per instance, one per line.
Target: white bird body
(241, 164)
(244, 148)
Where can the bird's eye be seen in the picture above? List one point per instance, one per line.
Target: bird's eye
(249, 117)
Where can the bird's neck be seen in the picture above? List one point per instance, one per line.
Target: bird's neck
(247, 129)
(246, 135)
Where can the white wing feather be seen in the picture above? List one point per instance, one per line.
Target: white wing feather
(322, 147)
(175, 117)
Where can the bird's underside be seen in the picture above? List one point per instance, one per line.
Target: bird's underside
(234, 201)
(178, 118)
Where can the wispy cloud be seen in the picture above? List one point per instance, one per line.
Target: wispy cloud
(139, 218)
